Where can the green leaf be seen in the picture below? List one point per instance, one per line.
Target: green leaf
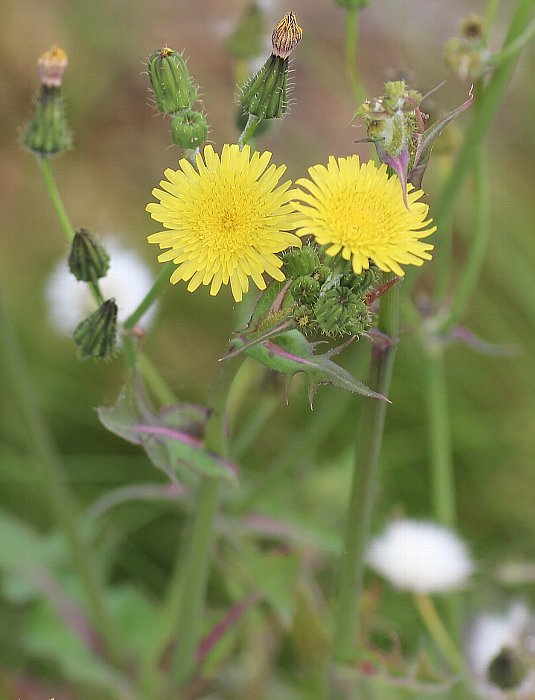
(292, 353)
(173, 438)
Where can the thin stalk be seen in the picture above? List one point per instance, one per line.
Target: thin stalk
(438, 632)
(442, 476)
(252, 122)
(483, 114)
(52, 482)
(368, 448)
(490, 15)
(478, 245)
(154, 292)
(61, 213)
(188, 586)
(352, 28)
(156, 382)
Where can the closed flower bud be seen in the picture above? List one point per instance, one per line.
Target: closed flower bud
(171, 81)
(189, 129)
(305, 290)
(96, 335)
(301, 261)
(339, 311)
(48, 132)
(507, 670)
(51, 66)
(88, 260)
(468, 55)
(265, 94)
(247, 40)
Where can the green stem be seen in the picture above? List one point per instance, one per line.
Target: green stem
(252, 122)
(53, 484)
(157, 288)
(436, 628)
(188, 587)
(352, 20)
(55, 197)
(483, 115)
(490, 15)
(478, 246)
(368, 448)
(156, 382)
(442, 476)
(515, 46)
(61, 213)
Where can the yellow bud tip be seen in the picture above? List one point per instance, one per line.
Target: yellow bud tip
(51, 66)
(286, 35)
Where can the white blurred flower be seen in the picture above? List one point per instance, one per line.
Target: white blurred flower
(420, 556)
(491, 634)
(128, 281)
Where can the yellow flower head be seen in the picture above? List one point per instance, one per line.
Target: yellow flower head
(358, 211)
(225, 220)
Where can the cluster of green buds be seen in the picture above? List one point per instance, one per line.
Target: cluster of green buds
(175, 94)
(48, 132)
(95, 336)
(265, 94)
(391, 121)
(468, 55)
(328, 297)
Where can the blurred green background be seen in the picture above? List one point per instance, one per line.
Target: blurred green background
(120, 151)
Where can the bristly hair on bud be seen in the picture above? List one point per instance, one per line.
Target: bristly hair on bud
(88, 260)
(286, 35)
(51, 66)
(96, 335)
(171, 81)
(265, 94)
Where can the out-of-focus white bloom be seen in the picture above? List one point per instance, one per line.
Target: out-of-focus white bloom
(128, 281)
(488, 636)
(420, 556)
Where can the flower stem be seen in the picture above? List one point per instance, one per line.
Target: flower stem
(52, 482)
(154, 292)
(483, 114)
(188, 587)
(478, 245)
(252, 122)
(61, 213)
(368, 447)
(436, 628)
(352, 20)
(442, 476)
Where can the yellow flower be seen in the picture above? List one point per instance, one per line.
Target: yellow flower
(358, 211)
(226, 220)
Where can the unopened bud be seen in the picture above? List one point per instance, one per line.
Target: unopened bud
(88, 260)
(468, 55)
(171, 81)
(473, 28)
(340, 311)
(51, 66)
(48, 131)
(301, 261)
(286, 35)
(265, 94)
(96, 335)
(189, 129)
(305, 290)
(507, 670)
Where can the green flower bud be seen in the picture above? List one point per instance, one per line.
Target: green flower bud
(305, 290)
(507, 670)
(171, 81)
(189, 129)
(301, 261)
(48, 131)
(360, 284)
(96, 335)
(303, 317)
(88, 260)
(246, 41)
(339, 311)
(265, 94)
(468, 60)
